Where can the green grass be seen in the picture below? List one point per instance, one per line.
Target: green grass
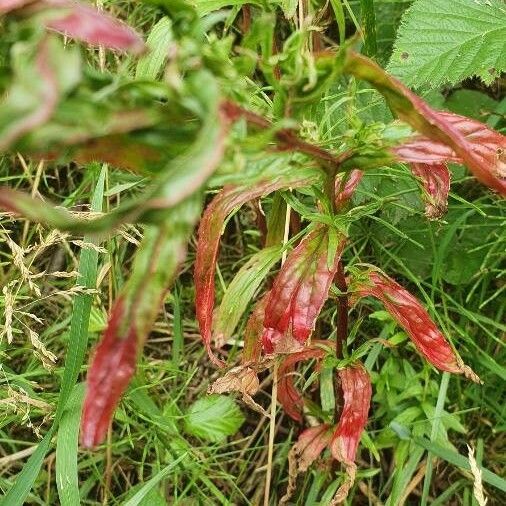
(420, 423)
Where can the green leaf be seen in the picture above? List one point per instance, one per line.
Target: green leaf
(204, 7)
(66, 449)
(214, 418)
(442, 42)
(150, 65)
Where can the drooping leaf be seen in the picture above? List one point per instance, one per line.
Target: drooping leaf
(210, 230)
(80, 21)
(288, 396)
(214, 418)
(357, 391)
(344, 193)
(304, 452)
(414, 319)
(253, 332)
(113, 364)
(436, 184)
(299, 292)
(441, 42)
(481, 149)
(36, 88)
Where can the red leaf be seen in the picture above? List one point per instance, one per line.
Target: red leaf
(209, 234)
(472, 142)
(85, 23)
(343, 195)
(111, 369)
(357, 391)
(414, 319)
(253, 333)
(299, 292)
(288, 396)
(303, 453)
(436, 184)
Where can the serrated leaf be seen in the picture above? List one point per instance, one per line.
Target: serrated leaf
(214, 418)
(442, 42)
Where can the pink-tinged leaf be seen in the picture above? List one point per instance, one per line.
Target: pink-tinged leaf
(210, 230)
(344, 194)
(11, 5)
(44, 95)
(481, 149)
(436, 184)
(87, 24)
(357, 392)
(303, 453)
(288, 396)
(111, 370)
(253, 333)
(414, 319)
(299, 292)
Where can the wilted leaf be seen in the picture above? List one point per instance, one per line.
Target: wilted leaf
(436, 184)
(113, 364)
(299, 292)
(414, 319)
(253, 332)
(288, 396)
(481, 149)
(210, 230)
(303, 453)
(214, 418)
(357, 391)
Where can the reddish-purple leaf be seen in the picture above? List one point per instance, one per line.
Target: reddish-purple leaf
(210, 230)
(436, 184)
(357, 391)
(414, 319)
(299, 292)
(111, 370)
(481, 149)
(85, 23)
(288, 396)
(303, 453)
(344, 194)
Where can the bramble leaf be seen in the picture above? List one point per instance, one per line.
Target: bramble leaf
(441, 42)
(214, 418)
(299, 292)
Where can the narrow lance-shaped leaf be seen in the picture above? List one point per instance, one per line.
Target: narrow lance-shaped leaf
(288, 396)
(344, 193)
(481, 149)
(156, 262)
(181, 177)
(357, 391)
(436, 184)
(303, 453)
(414, 319)
(253, 333)
(299, 292)
(210, 230)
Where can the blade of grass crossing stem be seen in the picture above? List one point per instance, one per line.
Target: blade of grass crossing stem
(369, 27)
(460, 461)
(66, 449)
(78, 340)
(443, 388)
(177, 327)
(337, 7)
(153, 482)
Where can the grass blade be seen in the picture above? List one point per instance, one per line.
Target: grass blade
(66, 449)
(78, 340)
